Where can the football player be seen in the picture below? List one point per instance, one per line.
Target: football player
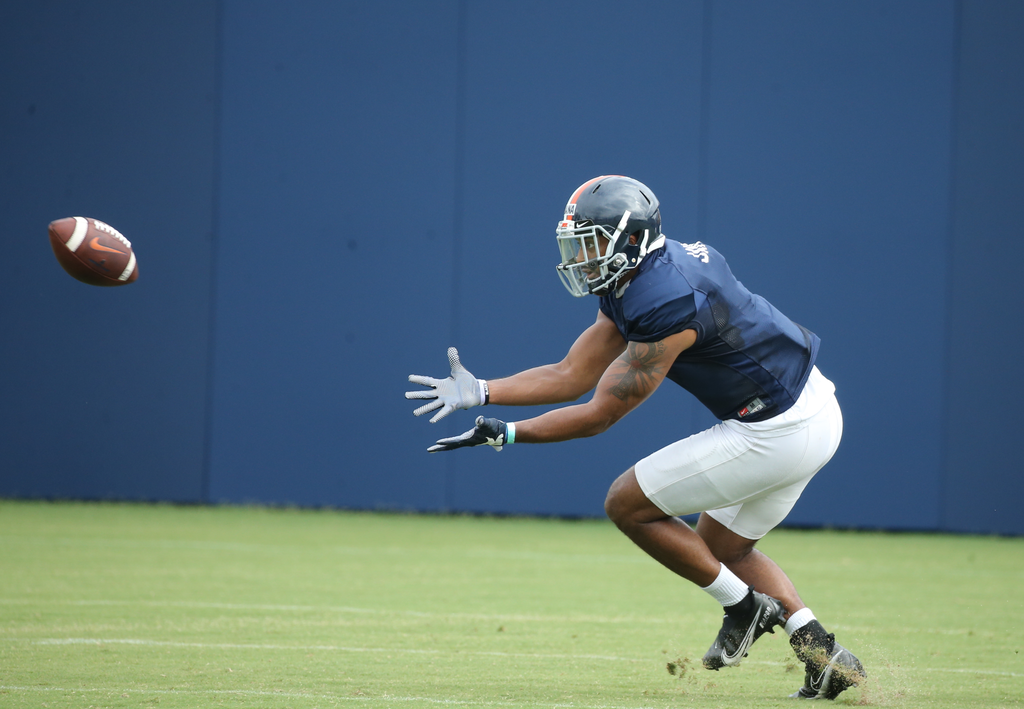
(675, 311)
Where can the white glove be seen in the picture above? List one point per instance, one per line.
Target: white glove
(459, 391)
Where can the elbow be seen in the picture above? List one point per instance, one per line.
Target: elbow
(599, 422)
(572, 387)
(596, 430)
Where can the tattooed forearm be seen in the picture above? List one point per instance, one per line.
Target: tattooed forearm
(636, 369)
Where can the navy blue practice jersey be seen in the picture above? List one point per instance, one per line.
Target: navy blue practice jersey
(750, 362)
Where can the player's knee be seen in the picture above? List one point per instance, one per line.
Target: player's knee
(612, 505)
(626, 502)
(615, 503)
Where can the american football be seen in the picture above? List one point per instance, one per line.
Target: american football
(93, 252)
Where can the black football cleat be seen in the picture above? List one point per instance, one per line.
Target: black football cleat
(738, 634)
(828, 679)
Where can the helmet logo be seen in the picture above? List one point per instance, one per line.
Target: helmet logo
(570, 209)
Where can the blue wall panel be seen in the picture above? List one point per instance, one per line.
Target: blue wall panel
(109, 111)
(553, 98)
(828, 183)
(335, 251)
(983, 475)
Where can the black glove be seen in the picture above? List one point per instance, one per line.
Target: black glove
(487, 432)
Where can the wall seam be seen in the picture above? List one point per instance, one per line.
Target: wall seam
(705, 118)
(215, 197)
(694, 408)
(458, 197)
(944, 521)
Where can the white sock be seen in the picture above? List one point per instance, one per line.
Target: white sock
(798, 620)
(727, 588)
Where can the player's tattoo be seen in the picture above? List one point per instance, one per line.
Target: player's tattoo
(637, 370)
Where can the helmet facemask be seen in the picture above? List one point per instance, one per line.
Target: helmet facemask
(591, 263)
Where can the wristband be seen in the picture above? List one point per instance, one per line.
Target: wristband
(510, 433)
(485, 393)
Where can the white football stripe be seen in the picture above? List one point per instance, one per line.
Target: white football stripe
(126, 274)
(621, 226)
(78, 235)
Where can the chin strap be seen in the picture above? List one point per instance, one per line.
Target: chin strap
(622, 289)
(646, 248)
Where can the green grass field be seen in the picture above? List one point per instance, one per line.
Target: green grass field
(105, 605)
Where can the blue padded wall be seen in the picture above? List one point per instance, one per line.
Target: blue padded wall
(828, 182)
(810, 144)
(425, 207)
(108, 111)
(543, 114)
(325, 195)
(335, 253)
(982, 478)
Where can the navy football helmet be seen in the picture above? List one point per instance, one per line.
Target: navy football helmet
(611, 222)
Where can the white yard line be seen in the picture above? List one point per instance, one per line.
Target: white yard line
(352, 609)
(335, 648)
(500, 617)
(378, 700)
(962, 670)
(483, 653)
(417, 553)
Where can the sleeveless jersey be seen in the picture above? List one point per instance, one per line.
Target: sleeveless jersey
(750, 362)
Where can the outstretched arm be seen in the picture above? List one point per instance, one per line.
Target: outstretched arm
(624, 385)
(569, 379)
